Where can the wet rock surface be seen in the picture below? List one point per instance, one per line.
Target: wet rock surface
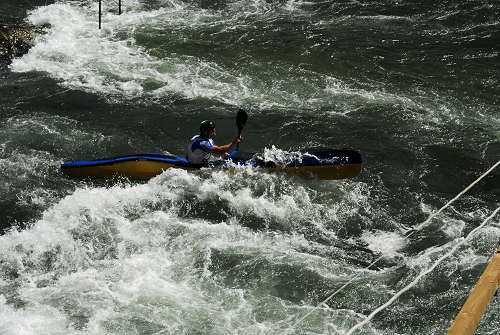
(15, 41)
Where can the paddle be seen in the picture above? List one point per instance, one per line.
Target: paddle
(241, 120)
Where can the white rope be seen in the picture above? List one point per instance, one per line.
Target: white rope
(458, 196)
(334, 293)
(418, 228)
(414, 282)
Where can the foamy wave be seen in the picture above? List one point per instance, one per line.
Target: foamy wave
(82, 57)
(111, 63)
(119, 257)
(387, 243)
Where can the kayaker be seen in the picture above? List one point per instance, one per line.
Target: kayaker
(201, 147)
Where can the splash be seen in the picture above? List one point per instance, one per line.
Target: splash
(141, 257)
(134, 58)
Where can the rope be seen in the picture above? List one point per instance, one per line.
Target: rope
(414, 282)
(414, 230)
(334, 293)
(458, 196)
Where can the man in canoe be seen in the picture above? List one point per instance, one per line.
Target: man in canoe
(201, 147)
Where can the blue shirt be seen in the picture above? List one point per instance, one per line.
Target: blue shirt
(198, 150)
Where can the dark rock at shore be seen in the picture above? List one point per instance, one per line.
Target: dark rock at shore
(15, 41)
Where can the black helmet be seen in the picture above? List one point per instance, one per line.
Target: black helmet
(206, 125)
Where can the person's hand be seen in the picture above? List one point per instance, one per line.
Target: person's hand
(226, 154)
(238, 139)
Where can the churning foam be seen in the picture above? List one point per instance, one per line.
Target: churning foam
(104, 260)
(74, 51)
(111, 63)
(386, 243)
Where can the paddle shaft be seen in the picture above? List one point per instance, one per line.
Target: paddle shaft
(241, 120)
(238, 144)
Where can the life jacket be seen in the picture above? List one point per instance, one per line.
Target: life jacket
(198, 150)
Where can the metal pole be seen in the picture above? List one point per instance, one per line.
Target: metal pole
(99, 14)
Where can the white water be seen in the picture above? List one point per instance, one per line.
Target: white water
(111, 63)
(106, 258)
(137, 258)
(205, 251)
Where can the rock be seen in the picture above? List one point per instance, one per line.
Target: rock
(15, 41)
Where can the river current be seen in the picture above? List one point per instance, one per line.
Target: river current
(413, 85)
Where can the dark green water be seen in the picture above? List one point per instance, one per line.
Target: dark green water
(412, 85)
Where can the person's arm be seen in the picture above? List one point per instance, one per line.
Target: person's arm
(222, 149)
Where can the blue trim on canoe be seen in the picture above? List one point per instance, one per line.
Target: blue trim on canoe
(176, 161)
(334, 157)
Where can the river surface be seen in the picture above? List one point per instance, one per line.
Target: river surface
(413, 85)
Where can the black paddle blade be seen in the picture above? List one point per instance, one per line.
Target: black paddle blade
(241, 120)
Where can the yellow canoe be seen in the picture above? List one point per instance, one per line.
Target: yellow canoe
(318, 163)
